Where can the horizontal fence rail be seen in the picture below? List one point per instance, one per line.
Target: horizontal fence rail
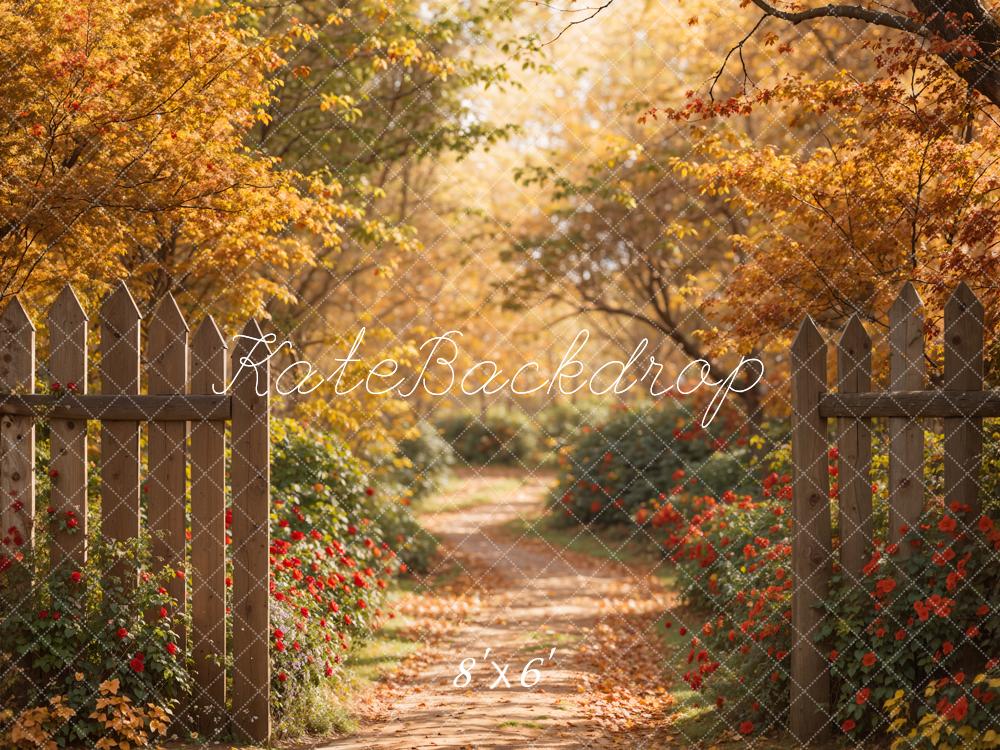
(184, 490)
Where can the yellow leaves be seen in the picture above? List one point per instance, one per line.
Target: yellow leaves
(35, 727)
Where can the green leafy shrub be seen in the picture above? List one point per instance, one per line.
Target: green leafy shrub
(318, 471)
(611, 471)
(424, 463)
(69, 628)
(499, 436)
(923, 623)
(928, 618)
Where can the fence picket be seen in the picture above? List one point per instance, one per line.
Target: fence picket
(68, 328)
(166, 373)
(809, 712)
(906, 436)
(251, 474)
(17, 433)
(208, 535)
(963, 371)
(854, 444)
(120, 491)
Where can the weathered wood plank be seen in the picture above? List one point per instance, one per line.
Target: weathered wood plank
(963, 372)
(854, 444)
(251, 537)
(119, 368)
(809, 714)
(17, 433)
(68, 328)
(111, 408)
(208, 537)
(906, 435)
(166, 482)
(911, 404)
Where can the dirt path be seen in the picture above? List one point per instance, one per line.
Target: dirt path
(521, 598)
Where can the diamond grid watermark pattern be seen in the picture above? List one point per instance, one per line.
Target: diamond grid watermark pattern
(535, 317)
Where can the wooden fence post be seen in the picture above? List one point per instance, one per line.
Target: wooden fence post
(208, 535)
(166, 481)
(17, 433)
(251, 477)
(906, 436)
(809, 711)
(68, 326)
(854, 444)
(963, 371)
(120, 439)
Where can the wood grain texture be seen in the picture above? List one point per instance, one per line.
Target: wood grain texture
(809, 714)
(911, 404)
(68, 331)
(208, 537)
(120, 440)
(906, 435)
(251, 537)
(963, 372)
(112, 408)
(166, 483)
(854, 444)
(17, 433)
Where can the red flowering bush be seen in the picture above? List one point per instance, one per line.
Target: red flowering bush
(733, 562)
(924, 622)
(329, 575)
(68, 629)
(611, 473)
(332, 558)
(923, 615)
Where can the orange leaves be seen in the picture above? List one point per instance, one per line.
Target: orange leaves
(127, 725)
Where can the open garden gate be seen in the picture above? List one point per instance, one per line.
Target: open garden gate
(961, 404)
(186, 458)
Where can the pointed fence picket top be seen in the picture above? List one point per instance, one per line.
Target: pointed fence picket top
(854, 446)
(68, 330)
(165, 485)
(906, 436)
(208, 535)
(173, 367)
(17, 433)
(963, 372)
(811, 541)
(961, 404)
(251, 477)
(120, 352)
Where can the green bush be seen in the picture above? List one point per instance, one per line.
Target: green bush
(424, 463)
(70, 628)
(499, 436)
(319, 471)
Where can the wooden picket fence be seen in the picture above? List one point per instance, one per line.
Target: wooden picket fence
(961, 404)
(186, 458)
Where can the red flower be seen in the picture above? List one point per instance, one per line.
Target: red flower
(282, 676)
(863, 695)
(171, 648)
(885, 586)
(76, 576)
(869, 659)
(848, 725)
(138, 662)
(163, 612)
(947, 524)
(746, 727)
(122, 633)
(985, 524)
(369, 491)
